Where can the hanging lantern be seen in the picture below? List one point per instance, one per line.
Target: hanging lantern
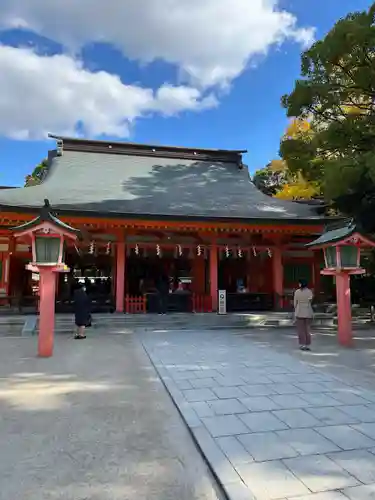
(240, 253)
(108, 248)
(269, 252)
(158, 251)
(254, 251)
(91, 248)
(136, 249)
(199, 250)
(227, 251)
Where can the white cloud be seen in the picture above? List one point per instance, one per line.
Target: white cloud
(210, 41)
(39, 95)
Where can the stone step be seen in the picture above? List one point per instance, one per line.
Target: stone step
(65, 323)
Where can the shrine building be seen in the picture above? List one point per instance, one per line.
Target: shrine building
(145, 211)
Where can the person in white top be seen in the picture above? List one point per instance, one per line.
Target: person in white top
(303, 313)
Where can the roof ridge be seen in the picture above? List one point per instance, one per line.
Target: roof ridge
(81, 144)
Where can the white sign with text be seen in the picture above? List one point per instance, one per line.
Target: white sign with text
(222, 309)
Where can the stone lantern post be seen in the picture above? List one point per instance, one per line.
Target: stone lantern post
(47, 236)
(342, 254)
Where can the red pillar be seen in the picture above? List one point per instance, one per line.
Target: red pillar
(316, 273)
(214, 276)
(47, 290)
(278, 277)
(120, 276)
(6, 264)
(198, 275)
(344, 309)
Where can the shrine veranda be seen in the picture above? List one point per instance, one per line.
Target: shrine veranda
(143, 211)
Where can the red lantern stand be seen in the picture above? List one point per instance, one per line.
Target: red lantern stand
(47, 235)
(342, 253)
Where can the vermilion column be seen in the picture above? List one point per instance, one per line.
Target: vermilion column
(120, 276)
(278, 277)
(198, 275)
(47, 290)
(316, 273)
(6, 263)
(344, 309)
(213, 276)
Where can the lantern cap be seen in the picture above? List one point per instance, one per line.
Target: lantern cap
(346, 232)
(46, 215)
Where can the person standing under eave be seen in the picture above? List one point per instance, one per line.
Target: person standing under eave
(303, 312)
(82, 311)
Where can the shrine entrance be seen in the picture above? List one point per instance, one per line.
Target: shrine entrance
(95, 271)
(145, 272)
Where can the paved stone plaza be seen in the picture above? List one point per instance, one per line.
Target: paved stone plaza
(92, 423)
(272, 424)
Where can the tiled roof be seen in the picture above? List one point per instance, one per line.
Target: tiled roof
(334, 235)
(118, 183)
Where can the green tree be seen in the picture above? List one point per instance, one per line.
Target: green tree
(337, 95)
(270, 179)
(276, 179)
(37, 174)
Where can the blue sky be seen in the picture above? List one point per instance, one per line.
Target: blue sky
(179, 82)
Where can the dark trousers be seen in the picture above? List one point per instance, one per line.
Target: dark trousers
(163, 303)
(303, 329)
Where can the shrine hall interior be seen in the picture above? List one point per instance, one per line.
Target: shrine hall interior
(149, 210)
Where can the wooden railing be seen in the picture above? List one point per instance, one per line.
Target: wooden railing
(202, 303)
(135, 304)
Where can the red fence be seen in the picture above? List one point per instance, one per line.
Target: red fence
(202, 303)
(135, 304)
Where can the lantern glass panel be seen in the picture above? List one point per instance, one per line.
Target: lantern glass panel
(331, 257)
(47, 250)
(349, 256)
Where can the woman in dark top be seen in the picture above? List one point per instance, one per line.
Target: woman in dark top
(82, 311)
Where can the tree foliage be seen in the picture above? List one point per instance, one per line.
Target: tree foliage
(337, 95)
(37, 174)
(271, 179)
(276, 179)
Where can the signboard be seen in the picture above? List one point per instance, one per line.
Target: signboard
(222, 309)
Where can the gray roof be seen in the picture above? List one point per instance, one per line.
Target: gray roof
(135, 185)
(46, 215)
(334, 235)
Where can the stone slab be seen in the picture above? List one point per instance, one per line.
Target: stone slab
(332, 416)
(319, 473)
(194, 395)
(362, 413)
(347, 437)
(296, 418)
(359, 463)
(367, 429)
(271, 480)
(259, 403)
(228, 392)
(307, 441)
(227, 425)
(262, 422)
(267, 446)
(366, 492)
(234, 450)
(227, 407)
(290, 401)
(258, 389)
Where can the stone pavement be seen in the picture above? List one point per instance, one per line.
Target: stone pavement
(93, 422)
(272, 425)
